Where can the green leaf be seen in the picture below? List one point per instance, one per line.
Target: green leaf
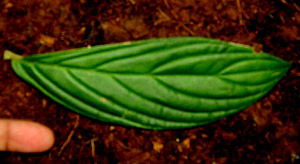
(155, 84)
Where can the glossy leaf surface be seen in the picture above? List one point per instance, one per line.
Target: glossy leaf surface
(155, 84)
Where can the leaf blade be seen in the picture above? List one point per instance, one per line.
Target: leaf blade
(157, 83)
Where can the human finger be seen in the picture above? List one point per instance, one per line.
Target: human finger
(24, 136)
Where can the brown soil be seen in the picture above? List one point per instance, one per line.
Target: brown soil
(267, 132)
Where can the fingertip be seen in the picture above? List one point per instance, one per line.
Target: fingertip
(39, 138)
(26, 136)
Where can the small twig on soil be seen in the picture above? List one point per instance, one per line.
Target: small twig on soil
(241, 12)
(163, 14)
(132, 2)
(291, 6)
(167, 18)
(283, 1)
(122, 145)
(70, 136)
(174, 14)
(177, 19)
(92, 141)
(167, 4)
(281, 18)
(93, 146)
(238, 3)
(187, 29)
(296, 6)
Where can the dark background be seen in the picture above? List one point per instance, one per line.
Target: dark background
(266, 132)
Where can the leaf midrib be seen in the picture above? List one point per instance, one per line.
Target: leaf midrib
(38, 64)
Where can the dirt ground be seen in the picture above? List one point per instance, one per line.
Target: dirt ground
(266, 132)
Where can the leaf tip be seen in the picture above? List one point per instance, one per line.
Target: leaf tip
(9, 55)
